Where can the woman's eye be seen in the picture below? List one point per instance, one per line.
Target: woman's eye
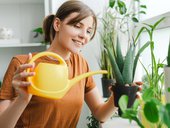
(89, 32)
(77, 26)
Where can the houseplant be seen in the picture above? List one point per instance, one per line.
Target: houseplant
(167, 76)
(39, 32)
(153, 111)
(124, 70)
(116, 18)
(107, 35)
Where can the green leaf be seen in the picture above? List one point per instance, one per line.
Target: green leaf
(168, 89)
(122, 7)
(151, 112)
(165, 114)
(148, 94)
(158, 22)
(138, 55)
(111, 3)
(134, 19)
(142, 12)
(140, 31)
(128, 66)
(38, 30)
(143, 6)
(123, 102)
(136, 104)
(115, 68)
(119, 57)
(168, 57)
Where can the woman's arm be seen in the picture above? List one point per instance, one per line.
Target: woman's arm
(10, 111)
(100, 109)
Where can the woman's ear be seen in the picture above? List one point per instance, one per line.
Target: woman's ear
(56, 24)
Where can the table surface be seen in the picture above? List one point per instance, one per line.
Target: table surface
(118, 122)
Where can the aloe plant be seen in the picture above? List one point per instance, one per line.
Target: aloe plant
(168, 57)
(124, 68)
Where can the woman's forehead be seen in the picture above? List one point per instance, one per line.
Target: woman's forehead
(88, 20)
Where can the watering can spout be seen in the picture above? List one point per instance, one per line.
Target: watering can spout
(82, 76)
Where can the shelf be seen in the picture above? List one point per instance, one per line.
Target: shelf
(21, 45)
(20, 1)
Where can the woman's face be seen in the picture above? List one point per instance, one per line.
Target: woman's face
(74, 37)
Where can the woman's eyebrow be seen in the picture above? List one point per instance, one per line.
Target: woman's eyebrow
(83, 25)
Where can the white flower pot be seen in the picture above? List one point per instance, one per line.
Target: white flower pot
(167, 83)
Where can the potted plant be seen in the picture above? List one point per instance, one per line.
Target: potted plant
(153, 111)
(38, 32)
(107, 35)
(167, 76)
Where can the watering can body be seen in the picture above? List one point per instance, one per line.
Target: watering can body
(51, 80)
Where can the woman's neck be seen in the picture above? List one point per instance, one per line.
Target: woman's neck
(64, 53)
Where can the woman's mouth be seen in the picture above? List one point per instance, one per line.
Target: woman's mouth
(78, 43)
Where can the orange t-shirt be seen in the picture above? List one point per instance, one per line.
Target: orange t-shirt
(48, 113)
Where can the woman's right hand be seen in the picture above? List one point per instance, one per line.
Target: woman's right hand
(19, 82)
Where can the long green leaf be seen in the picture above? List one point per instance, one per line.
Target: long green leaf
(157, 23)
(168, 57)
(138, 55)
(128, 66)
(115, 68)
(119, 57)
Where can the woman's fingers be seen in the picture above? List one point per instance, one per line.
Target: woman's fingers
(23, 75)
(19, 84)
(23, 67)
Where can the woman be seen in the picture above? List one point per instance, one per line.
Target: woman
(72, 27)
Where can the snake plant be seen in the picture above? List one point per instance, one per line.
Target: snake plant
(124, 67)
(168, 57)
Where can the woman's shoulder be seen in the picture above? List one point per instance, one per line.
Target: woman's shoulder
(22, 58)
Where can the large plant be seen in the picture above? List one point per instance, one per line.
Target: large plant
(116, 18)
(107, 35)
(124, 68)
(152, 107)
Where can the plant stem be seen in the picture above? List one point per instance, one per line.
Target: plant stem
(138, 122)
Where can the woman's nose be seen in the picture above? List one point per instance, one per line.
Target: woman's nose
(83, 34)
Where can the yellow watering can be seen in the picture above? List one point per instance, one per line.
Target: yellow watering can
(51, 80)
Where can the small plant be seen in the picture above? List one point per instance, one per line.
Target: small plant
(38, 32)
(92, 122)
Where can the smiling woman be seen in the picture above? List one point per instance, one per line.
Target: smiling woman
(72, 27)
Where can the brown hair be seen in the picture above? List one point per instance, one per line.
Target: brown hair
(64, 11)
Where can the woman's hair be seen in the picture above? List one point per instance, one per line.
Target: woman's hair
(63, 12)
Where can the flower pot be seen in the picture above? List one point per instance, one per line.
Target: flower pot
(105, 86)
(167, 83)
(130, 91)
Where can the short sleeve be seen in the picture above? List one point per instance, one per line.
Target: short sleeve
(90, 84)
(6, 91)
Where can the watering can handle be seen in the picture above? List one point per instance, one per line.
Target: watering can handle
(56, 56)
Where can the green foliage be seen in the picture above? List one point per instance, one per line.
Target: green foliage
(168, 57)
(155, 77)
(130, 113)
(151, 111)
(126, 74)
(39, 31)
(93, 123)
(107, 35)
